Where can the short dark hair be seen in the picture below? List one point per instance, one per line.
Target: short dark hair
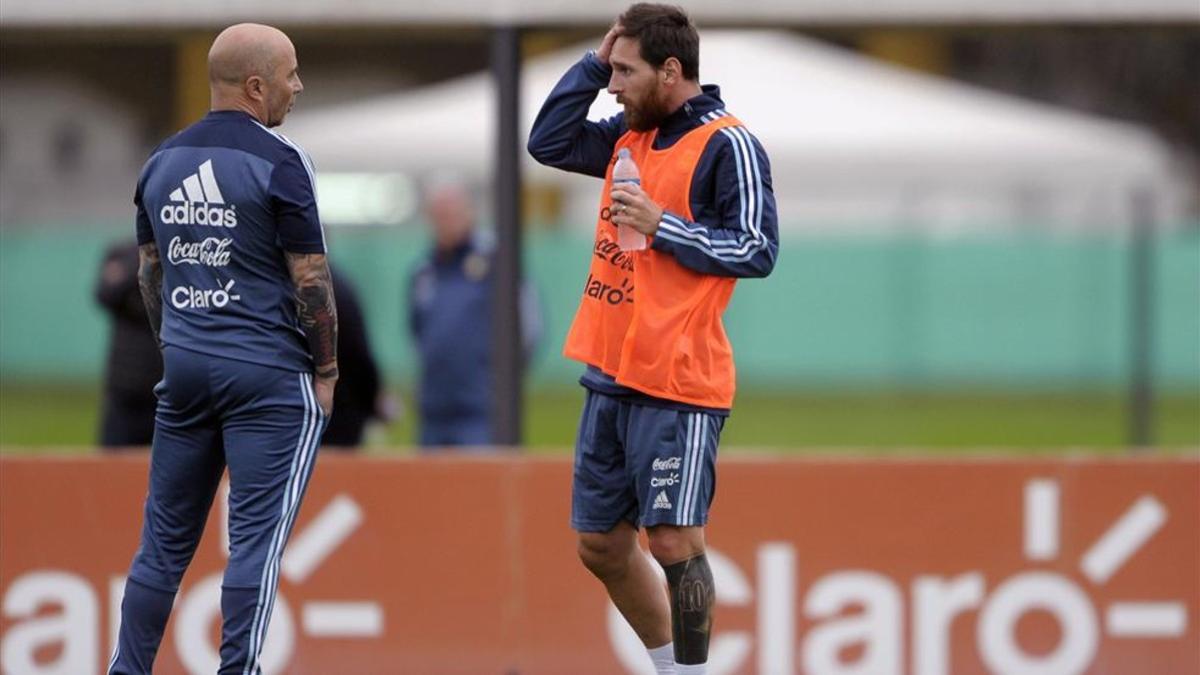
(663, 31)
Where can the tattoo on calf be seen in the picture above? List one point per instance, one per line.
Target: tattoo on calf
(692, 594)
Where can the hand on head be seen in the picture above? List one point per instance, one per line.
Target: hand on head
(607, 43)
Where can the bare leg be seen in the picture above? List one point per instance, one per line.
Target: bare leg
(631, 580)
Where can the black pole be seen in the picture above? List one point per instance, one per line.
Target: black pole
(506, 324)
(1141, 317)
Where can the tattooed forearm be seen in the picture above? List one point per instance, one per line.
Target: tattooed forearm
(150, 284)
(317, 309)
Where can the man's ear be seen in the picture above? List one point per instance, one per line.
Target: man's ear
(671, 70)
(255, 89)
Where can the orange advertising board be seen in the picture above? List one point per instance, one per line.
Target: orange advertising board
(468, 565)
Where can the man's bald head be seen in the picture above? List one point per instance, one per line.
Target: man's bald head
(245, 50)
(253, 68)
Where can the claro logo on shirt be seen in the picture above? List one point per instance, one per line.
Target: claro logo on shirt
(199, 202)
(613, 295)
(189, 297)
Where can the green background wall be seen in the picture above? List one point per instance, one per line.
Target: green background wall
(1031, 311)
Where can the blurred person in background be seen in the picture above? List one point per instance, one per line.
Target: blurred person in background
(134, 364)
(450, 314)
(660, 375)
(359, 398)
(233, 274)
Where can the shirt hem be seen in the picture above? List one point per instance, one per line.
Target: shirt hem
(646, 391)
(306, 369)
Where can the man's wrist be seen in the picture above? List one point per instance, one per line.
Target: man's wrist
(657, 220)
(327, 372)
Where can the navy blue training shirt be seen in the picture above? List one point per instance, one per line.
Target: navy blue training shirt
(223, 200)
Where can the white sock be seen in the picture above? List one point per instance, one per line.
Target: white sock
(663, 658)
(692, 669)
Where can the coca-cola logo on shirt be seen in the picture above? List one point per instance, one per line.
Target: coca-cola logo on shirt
(211, 252)
(610, 252)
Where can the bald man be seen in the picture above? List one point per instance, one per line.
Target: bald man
(233, 274)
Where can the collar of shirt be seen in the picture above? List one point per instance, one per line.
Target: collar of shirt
(229, 115)
(687, 116)
(453, 256)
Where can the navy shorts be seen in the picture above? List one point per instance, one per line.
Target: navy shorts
(644, 464)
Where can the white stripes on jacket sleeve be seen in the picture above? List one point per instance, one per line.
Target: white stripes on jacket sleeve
(750, 240)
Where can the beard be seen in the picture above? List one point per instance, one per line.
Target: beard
(649, 114)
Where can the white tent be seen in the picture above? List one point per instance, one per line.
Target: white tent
(854, 144)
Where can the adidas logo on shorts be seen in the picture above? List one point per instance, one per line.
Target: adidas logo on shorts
(661, 502)
(199, 202)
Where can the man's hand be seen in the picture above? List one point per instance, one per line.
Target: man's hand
(606, 44)
(633, 207)
(324, 387)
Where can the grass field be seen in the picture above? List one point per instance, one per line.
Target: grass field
(64, 419)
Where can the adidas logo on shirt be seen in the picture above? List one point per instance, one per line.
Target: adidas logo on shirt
(200, 202)
(661, 502)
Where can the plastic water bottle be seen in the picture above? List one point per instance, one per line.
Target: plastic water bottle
(626, 171)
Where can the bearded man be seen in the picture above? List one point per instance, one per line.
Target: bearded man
(659, 369)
